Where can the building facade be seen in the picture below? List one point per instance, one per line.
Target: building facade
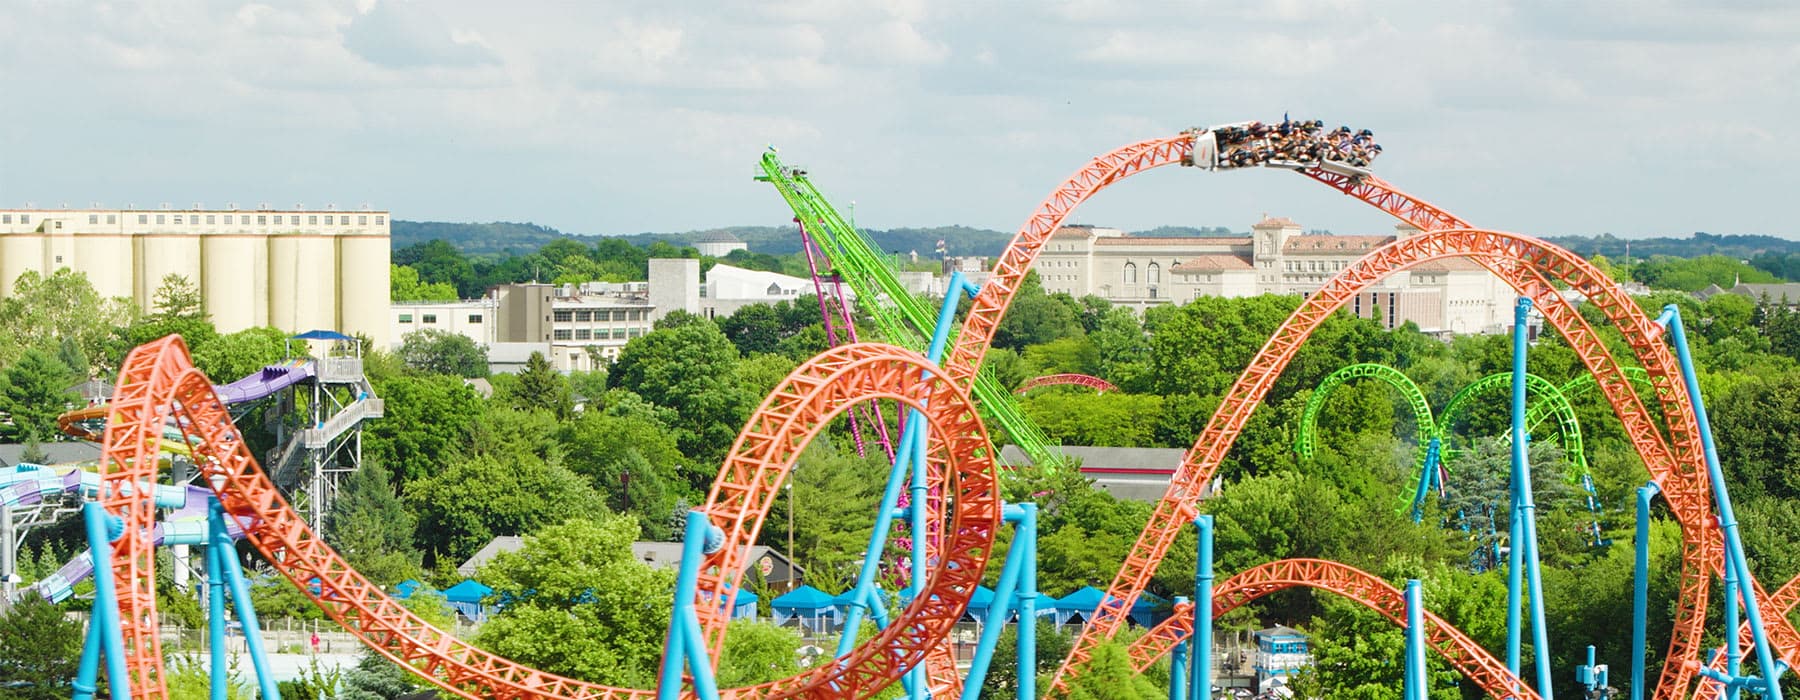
(1444, 296)
(296, 270)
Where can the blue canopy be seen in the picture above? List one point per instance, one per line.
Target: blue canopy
(982, 598)
(1144, 611)
(322, 335)
(1082, 601)
(469, 591)
(803, 598)
(405, 589)
(843, 602)
(743, 596)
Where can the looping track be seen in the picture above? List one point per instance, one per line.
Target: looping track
(158, 378)
(1352, 583)
(158, 382)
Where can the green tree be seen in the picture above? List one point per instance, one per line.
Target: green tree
(371, 526)
(39, 648)
(376, 678)
(757, 652)
(1108, 676)
(235, 355)
(542, 388)
(442, 352)
(427, 418)
(753, 329)
(1034, 317)
(689, 366)
(1003, 674)
(43, 311)
(404, 285)
(480, 497)
(33, 392)
(580, 605)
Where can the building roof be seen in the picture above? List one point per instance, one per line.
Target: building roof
(55, 452)
(514, 353)
(1281, 631)
(1158, 459)
(1213, 262)
(1334, 245)
(1788, 292)
(1173, 240)
(659, 555)
(718, 236)
(1276, 222)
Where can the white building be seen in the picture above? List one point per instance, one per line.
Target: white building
(296, 270)
(730, 288)
(718, 244)
(1453, 295)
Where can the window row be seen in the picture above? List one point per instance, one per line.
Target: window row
(587, 315)
(1152, 273)
(432, 318)
(595, 333)
(1314, 265)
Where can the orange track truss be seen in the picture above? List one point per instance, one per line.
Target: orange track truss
(1457, 648)
(1068, 379)
(158, 382)
(158, 378)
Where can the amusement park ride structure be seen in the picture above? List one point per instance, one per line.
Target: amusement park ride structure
(952, 455)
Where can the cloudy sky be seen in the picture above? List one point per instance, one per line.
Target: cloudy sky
(1638, 118)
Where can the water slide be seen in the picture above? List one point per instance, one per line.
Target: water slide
(86, 423)
(29, 484)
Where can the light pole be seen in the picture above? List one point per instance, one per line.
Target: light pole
(790, 548)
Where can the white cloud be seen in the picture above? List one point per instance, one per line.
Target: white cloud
(636, 115)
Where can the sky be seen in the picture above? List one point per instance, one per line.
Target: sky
(1650, 117)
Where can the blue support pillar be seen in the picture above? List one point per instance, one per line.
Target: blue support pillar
(103, 624)
(1178, 666)
(1522, 561)
(219, 545)
(1201, 687)
(1640, 590)
(686, 647)
(1417, 685)
(1028, 594)
(1016, 590)
(1728, 524)
(215, 624)
(1427, 478)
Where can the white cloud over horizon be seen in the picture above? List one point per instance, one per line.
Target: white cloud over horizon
(1644, 118)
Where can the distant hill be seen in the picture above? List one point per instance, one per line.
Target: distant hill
(501, 237)
(1739, 246)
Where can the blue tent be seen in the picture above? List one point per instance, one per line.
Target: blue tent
(811, 606)
(323, 335)
(842, 602)
(1081, 604)
(1148, 608)
(466, 598)
(979, 602)
(406, 589)
(743, 605)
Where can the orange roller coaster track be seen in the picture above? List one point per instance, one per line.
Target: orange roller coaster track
(1069, 379)
(158, 382)
(1528, 265)
(158, 378)
(1352, 583)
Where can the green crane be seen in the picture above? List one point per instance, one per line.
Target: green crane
(901, 318)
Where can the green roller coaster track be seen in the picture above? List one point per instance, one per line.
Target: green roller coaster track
(905, 319)
(1551, 403)
(1307, 442)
